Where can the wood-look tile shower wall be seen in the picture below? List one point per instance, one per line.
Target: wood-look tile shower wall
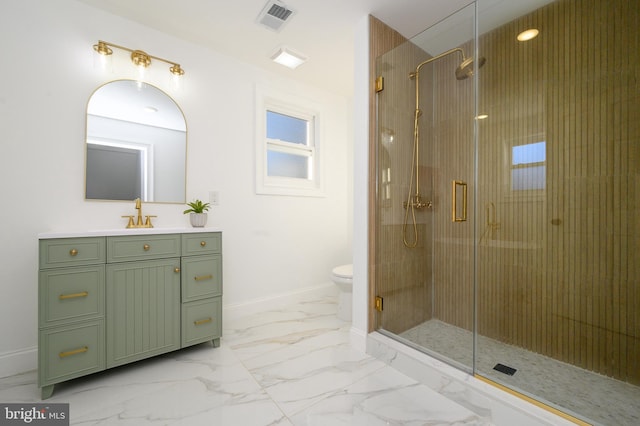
(561, 274)
(401, 275)
(570, 287)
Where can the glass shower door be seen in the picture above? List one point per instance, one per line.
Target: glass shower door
(424, 222)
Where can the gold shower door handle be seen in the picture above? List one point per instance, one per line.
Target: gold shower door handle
(454, 201)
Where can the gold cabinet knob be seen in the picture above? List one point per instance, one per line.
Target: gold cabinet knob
(146, 247)
(73, 252)
(176, 270)
(203, 243)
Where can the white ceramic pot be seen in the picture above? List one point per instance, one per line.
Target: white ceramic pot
(198, 220)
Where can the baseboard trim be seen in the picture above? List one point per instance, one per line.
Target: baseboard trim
(18, 362)
(239, 310)
(358, 339)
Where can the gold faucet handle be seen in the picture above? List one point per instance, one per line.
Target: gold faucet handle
(130, 224)
(147, 222)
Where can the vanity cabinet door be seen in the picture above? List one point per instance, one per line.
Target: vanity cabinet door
(143, 309)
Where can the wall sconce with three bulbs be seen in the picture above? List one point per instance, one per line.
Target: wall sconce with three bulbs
(140, 59)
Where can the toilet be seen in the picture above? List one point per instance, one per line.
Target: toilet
(343, 277)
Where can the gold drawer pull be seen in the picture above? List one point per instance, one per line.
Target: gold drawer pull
(146, 247)
(73, 252)
(203, 243)
(74, 352)
(176, 270)
(203, 277)
(74, 295)
(202, 321)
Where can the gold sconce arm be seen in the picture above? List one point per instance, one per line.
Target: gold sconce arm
(138, 57)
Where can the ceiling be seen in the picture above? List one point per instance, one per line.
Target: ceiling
(322, 30)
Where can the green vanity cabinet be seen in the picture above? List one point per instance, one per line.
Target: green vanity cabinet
(111, 300)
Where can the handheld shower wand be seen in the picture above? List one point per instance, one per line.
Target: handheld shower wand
(414, 199)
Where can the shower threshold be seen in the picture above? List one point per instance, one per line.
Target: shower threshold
(571, 389)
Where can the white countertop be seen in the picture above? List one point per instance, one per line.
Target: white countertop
(124, 231)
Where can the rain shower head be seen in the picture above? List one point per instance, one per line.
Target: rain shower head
(465, 69)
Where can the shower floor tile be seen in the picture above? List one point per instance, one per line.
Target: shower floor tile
(600, 398)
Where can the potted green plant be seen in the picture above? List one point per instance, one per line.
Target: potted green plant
(197, 213)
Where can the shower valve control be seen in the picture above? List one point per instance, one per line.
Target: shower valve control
(416, 202)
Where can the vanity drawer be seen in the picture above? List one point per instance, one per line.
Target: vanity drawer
(139, 247)
(71, 351)
(71, 294)
(201, 321)
(204, 243)
(201, 277)
(59, 252)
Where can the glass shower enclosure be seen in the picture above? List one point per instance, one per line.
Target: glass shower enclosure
(508, 200)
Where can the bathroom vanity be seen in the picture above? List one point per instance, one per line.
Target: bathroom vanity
(111, 298)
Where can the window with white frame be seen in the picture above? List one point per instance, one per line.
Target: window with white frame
(287, 149)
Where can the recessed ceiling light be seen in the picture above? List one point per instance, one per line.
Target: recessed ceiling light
(288, 58)
(482, 116)
(527, 34)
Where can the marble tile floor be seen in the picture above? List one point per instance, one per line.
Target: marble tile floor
(599, 398)
(290, 366)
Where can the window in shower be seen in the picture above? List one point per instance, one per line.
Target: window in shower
(528, 169)
(287, 155)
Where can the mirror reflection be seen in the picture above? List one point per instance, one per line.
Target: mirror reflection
(136, 144)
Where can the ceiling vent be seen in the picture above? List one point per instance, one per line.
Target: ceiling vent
(274, 15)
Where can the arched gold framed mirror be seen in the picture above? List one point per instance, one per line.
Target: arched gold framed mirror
(136, 144)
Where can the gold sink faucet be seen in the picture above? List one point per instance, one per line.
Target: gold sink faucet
(139, 223)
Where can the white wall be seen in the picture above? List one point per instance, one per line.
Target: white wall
(361, 185)
(272, 245)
